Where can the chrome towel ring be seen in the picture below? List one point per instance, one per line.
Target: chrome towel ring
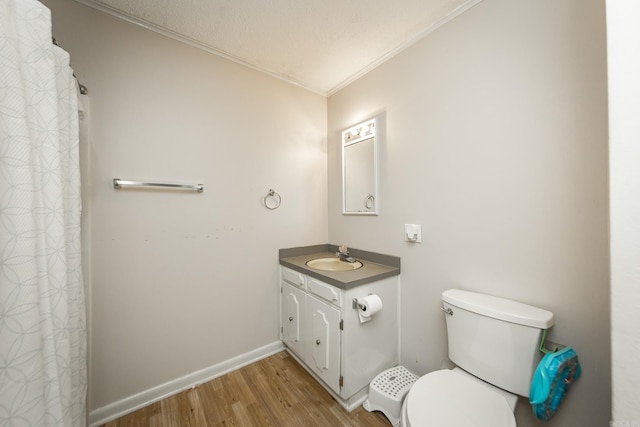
(368, 201)
(272, 200)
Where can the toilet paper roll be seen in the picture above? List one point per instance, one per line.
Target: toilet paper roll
(368, 306)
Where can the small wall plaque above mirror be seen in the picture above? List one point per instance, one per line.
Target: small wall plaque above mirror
(360, 170)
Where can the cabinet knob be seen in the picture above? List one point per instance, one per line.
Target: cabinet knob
(290, 318)
(317, 342)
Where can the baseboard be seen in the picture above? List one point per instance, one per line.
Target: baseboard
(140, 400)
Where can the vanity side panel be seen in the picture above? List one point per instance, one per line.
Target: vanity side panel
(371, 347)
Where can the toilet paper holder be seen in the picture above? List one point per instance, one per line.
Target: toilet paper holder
(355, 304)
(367, 307)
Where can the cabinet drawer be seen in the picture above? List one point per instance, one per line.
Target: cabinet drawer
(325, 291)
(293, 277)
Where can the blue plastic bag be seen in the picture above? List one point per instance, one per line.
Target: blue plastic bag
(551, 380)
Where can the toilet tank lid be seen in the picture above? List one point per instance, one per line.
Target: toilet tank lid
(499, 308)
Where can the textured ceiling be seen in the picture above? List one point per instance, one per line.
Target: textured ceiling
(321, 45)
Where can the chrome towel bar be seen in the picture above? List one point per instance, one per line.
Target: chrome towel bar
(121, 183)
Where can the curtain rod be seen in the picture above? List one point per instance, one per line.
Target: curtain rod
(83, 88)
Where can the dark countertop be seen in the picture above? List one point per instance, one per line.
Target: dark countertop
(374, 266)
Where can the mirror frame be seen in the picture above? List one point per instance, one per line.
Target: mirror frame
(358, 133)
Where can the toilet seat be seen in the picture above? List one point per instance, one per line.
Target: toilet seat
(448, 399)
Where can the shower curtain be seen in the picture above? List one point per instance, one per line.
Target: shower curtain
(42, 308)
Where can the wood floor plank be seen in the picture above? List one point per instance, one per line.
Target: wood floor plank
(272, 387)
(189, 409)
(214, 407)
(275, 391)
(170, 413)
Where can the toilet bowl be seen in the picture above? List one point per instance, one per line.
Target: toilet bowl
(454, 398)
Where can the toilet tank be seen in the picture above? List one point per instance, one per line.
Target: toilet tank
(495, 339)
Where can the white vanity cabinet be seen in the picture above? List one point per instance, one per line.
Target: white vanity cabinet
(321, 328)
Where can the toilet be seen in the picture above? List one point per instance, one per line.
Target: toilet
(494, 344)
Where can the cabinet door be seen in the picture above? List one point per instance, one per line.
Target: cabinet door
(324, 353)
(293, 318)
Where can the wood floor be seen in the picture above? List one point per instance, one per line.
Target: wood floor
(275, 391)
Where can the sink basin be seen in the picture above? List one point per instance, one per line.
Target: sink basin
(333, 264)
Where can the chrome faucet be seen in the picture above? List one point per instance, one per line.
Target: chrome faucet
(343, 254)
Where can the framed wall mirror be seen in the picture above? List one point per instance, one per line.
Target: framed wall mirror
(360, 170)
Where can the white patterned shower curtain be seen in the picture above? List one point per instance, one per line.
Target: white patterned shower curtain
(42, 309)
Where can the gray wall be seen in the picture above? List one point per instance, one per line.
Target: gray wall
(496, 142)
(183, 281)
